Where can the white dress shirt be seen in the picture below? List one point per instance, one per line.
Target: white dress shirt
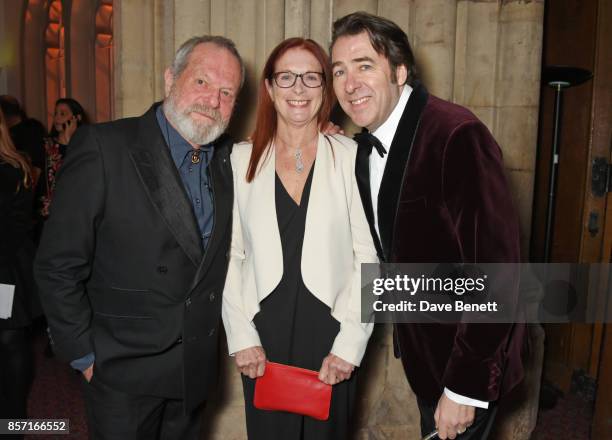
(385, 134)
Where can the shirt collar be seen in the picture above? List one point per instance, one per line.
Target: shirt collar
(178, 145)
(386, 131)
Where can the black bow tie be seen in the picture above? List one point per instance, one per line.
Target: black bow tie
(367, 140)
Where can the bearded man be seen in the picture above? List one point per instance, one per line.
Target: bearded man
(132, 260)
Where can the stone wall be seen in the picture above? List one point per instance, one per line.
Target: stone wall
(484, 54)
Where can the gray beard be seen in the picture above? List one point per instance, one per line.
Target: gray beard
(200, 134)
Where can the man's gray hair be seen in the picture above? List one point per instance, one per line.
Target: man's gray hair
(181, 58)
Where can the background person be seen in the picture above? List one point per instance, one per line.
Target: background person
(16, 254)
(27, 133)
(299, 235)
(68, 116)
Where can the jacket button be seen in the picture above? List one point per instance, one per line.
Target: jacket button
(162, 269)
(211, 297)
(211, 332)
(179, 340)
(188, 302)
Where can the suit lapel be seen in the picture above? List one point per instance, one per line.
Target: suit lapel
(397, 163)
(223, 193)
(161, 181)
(362, 174)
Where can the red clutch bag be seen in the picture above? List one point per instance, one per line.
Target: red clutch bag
(292, 389)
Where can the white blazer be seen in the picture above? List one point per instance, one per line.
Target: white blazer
(336, 241)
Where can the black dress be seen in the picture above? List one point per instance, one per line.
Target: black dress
(297, 329)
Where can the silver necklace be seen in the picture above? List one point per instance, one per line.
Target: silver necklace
(299, 164)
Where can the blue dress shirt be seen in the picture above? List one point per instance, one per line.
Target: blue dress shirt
(192, 165)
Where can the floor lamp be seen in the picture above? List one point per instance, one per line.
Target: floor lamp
(559, 78)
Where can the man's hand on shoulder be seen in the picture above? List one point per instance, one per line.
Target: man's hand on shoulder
(331, 129)
(452, 418)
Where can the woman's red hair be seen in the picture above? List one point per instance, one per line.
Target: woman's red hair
(265, 125)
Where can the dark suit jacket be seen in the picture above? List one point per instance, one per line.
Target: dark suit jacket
(121, 268)
(444, 198)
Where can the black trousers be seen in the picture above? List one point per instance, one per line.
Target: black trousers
(16, 367)
(480, 429)
(115, 415)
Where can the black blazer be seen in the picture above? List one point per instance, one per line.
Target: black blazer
(121, 268)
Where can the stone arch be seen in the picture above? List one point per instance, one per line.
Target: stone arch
(82, 47)
(91, 57)
(54, 56)
(32, 61)
(104, 75)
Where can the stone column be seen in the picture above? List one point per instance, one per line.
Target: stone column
(33, 61)
(321, 22)
(386, 408)
(434, 43)
(166, 42)
(82, 53)
(134, 57)
(517, 99)
(11, 25)
(192, 18)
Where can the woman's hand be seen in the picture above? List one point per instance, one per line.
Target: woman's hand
(251, 361)
(334, 370)
(66, 134)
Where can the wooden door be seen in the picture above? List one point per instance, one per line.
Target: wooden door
(577, 33)
(568, 40)
(601, 141)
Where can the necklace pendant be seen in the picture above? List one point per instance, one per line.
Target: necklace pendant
(299, 164)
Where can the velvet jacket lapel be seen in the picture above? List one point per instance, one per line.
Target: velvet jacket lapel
(393, 177)
(397, 164)
(162, 182)
(362, 173)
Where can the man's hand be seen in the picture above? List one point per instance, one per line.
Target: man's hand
(335, 370)
(452, 418)
(88, 373)
(251, 361)
(331, 129)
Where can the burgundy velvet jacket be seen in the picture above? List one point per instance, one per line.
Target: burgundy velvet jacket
(444, 198)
